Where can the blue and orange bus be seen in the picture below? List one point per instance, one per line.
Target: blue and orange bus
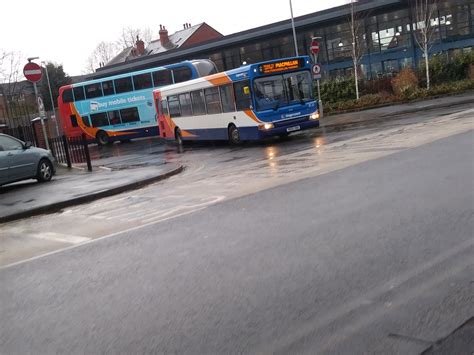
(121, 107)
(272, 98)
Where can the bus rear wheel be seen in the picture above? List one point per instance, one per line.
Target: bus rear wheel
(234, 135)
(102, 138)
(178, 136)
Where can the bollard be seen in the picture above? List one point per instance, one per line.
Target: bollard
(86, 151)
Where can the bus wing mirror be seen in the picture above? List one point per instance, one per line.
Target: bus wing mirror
(246, 90)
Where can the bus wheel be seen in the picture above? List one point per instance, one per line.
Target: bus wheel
(178, 136)
(234, 135)
(102, 138)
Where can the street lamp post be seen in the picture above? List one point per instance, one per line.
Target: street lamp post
(41, 112)
(294, 31)
(51, 97)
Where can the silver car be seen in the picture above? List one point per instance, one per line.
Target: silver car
(20, 161)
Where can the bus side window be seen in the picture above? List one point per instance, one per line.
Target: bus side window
(213, 102)
(123, 85)
(197, 97)
(142, 81)
(99, 119)
(114, 117)
(182, 74)
(173, 105)
(93, 91)
(129, 115)
(79, 93)
(227, 98)
(162, 78)
(185, 104)
(86, 121)
(67, 96)
(165, 108)
(108, 87)
(242, 95)
(74, 120)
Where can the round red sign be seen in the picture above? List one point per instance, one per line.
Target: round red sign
(314, 47)
(32, 72)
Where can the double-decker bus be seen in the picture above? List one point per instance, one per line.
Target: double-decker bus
(121, 107)
(272, 98)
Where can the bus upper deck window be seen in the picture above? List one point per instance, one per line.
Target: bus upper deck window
(67, 96)
(79, 93)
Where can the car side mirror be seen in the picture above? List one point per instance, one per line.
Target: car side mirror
(27, 145)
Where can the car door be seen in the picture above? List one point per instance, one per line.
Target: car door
(21, 162)
(4, 163)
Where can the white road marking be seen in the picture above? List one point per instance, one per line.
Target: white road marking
(59, 237)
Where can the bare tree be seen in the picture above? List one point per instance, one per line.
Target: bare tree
(129, 37)
(101, 55)
(425, 13)
(11, 73)
(357, 27)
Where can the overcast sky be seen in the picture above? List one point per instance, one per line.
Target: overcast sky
(66, 32)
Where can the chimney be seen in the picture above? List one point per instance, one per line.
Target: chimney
(164, 39)
(140, 46)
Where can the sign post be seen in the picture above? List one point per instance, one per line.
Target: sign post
(316, 70)
(33, 73)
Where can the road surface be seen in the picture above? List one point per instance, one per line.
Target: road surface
(364, 245)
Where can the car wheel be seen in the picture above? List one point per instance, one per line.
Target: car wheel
(178, 136)
(234, 135)
(45, 170)
(102, 138)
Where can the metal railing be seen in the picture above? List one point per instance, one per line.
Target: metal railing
(71, 150)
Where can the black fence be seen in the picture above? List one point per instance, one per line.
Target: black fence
(71, 150)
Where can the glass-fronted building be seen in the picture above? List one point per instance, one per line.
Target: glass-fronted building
(387, 39)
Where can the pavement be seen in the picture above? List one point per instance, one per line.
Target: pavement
(121, 170)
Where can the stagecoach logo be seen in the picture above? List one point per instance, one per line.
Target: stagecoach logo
(291, 115)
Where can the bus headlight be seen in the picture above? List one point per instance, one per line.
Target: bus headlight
(266, 126)
(314, 116)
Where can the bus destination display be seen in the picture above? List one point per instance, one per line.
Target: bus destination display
(277, 67)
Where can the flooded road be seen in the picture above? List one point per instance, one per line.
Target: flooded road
(215, 172)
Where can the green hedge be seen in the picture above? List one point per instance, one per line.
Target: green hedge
(442, 71)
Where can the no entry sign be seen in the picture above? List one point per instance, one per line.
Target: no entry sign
(32, 72)
(314, 47)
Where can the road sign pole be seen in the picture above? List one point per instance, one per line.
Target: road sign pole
(320, 103)
(41, 112)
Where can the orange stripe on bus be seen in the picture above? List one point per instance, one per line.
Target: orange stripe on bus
(252, 116)
(218, 79)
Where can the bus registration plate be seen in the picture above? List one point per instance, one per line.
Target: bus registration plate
(292, 129)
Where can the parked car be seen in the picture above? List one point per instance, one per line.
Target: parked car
(21, 161)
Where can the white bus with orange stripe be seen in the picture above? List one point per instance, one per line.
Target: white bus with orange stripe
(273, 98)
